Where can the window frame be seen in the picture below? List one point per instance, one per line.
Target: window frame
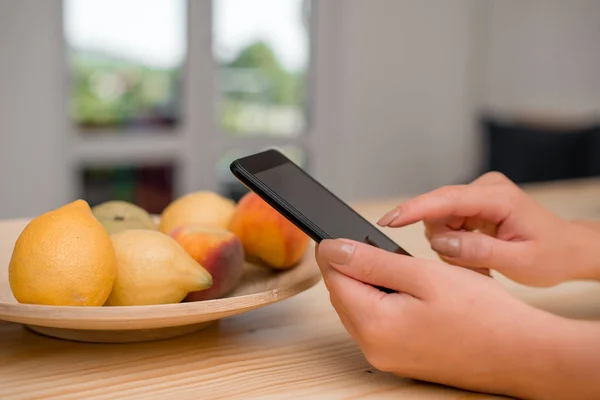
(196, 143)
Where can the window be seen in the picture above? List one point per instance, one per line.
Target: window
(125, 59)
(165, 93)
(262, 51)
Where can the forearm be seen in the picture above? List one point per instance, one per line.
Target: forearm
(536, 355)
(591, 224)
(565, 362)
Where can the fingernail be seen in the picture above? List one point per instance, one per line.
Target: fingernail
(389, 217)
(446, 245)
(336, 251)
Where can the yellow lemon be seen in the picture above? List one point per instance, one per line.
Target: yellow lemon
(153, 268)
(203, 208)
(63, 257)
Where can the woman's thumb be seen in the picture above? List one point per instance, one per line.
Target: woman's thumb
(477, 250)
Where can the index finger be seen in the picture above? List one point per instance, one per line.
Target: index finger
(493, 203)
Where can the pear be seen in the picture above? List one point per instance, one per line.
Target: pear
(152, 268)
(117, 216)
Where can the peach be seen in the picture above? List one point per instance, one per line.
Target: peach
(267, 236)
(219, 251)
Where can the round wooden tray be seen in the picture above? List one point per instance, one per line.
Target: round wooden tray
(259, 287)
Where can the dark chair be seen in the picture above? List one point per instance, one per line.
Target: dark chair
(527, 152)
(593, 153)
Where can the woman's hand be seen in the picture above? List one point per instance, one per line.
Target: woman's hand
(446, 325)
(492, 224)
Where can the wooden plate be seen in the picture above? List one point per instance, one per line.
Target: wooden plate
(259, 287)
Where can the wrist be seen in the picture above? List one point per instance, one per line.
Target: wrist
(593, 225)
(567, 362)
(534, 364)
(583, 250)
(522, 354)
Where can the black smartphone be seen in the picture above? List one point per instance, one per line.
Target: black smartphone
(305, 202)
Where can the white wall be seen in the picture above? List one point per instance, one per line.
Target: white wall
(418, 73)
(413, 76)
(409, 95)
(543, 56)
(33, 168)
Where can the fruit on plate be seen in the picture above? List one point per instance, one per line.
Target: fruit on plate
(216, 249)
(267, 237)
(63, 258)
(203, 207)
(117, 216)
(152, 268)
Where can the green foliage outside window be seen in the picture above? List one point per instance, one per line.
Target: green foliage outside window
(109, 91)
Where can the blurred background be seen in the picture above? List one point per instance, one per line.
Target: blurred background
(145, 100)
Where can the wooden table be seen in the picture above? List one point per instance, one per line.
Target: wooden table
(293, 349)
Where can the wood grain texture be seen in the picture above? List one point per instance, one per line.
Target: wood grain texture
(296, 348)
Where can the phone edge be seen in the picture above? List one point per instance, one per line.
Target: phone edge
(263, 190)
(275, 201)
(272, 199)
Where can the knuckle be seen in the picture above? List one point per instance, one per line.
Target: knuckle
(369, 269)
(511, 189)
(369, 260)
(508, 194)
(495, 176)
(450, 193)
(481, 248)
(513, 195)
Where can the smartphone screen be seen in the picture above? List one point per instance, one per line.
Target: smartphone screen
(325, 214)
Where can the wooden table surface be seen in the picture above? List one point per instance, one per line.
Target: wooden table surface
(293, 349)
